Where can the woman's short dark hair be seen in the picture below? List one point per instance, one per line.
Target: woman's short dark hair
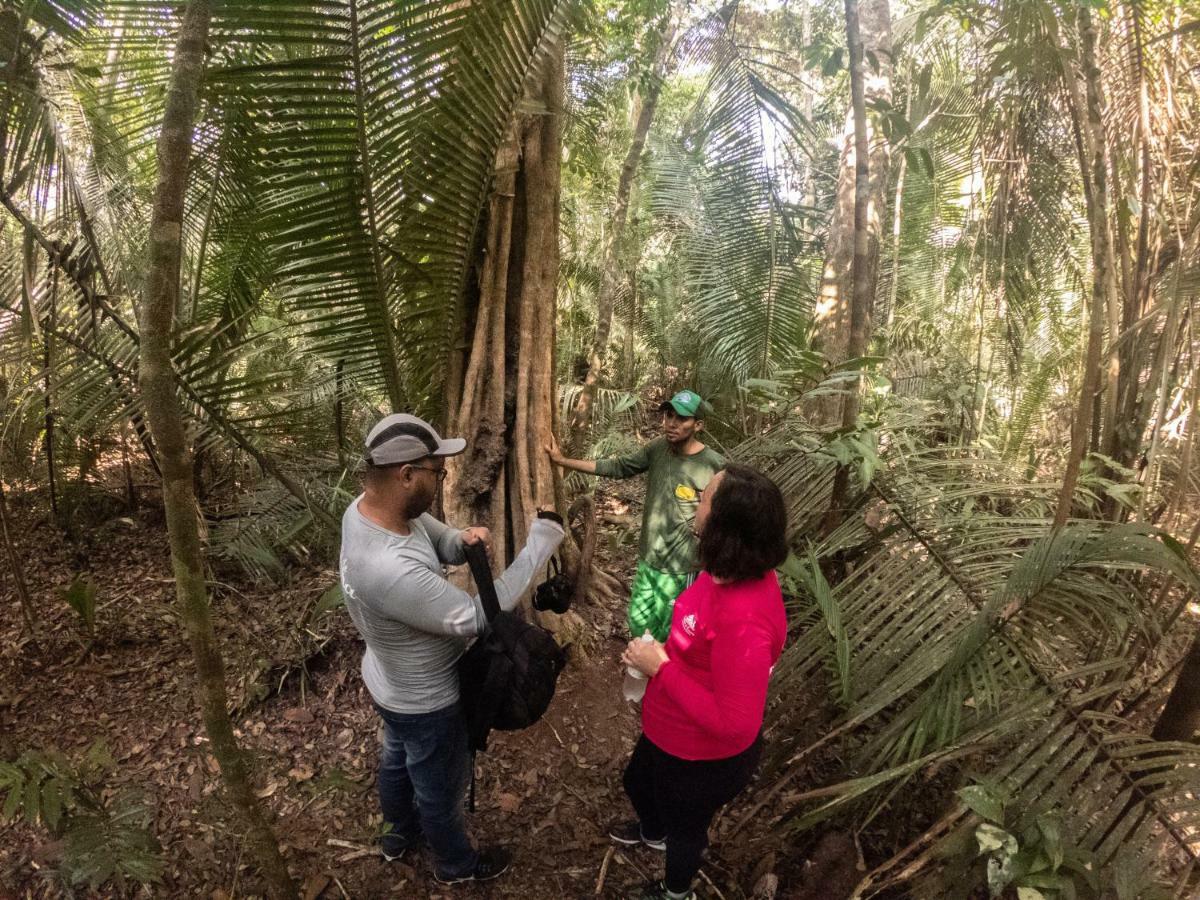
(745, 534)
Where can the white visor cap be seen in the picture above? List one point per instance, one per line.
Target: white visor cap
(401, 438)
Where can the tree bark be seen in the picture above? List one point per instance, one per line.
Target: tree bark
(628, 363)
(15, 567)
(1125, 434)
(541, 153)
(505, 405)
(835, 303)
(159, 388)
(1094, 173)
(48, 395)
(610, 270)
(1158, 388)
(862, 274)
(1180, 718)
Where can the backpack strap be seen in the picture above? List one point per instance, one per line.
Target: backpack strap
(481, 571)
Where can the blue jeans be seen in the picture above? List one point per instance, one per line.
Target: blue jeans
(424, 769)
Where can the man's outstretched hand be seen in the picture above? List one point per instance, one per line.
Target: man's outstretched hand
(477, 534)
(553, 452)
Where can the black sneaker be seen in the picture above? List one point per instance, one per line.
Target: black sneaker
(629, 834)
(394, 851)
(493, 862)
(393, 847)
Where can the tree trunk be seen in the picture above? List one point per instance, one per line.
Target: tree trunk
(1180, 718)
(15, 567)
(628, 361)
(897, 214)
(1158, 387)
(1094, 172)
(48, 395)
(834, 310)
(158, 382)
(505, 406)
(610, 270)
(1125, 434)
(862, 269)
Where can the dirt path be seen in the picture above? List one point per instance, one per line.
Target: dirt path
(547, 792)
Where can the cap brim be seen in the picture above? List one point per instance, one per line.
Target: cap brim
(667, 404)
(450, 447)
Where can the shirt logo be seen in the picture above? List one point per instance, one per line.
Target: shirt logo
(685, 492)
(689, 624)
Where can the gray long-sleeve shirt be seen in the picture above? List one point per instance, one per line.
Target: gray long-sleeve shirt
(415, 623)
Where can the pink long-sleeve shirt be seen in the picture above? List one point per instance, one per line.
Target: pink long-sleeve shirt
(707, 700)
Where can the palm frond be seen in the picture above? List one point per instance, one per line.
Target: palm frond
(971, 623)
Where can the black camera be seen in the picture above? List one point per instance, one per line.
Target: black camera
(554, 594)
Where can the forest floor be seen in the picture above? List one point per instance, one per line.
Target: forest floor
(304, 716)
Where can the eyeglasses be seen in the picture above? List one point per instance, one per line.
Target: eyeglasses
(440, 473)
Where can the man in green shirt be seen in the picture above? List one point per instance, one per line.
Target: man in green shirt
(678, 468)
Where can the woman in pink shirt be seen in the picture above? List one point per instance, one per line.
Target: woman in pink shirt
(702, 714)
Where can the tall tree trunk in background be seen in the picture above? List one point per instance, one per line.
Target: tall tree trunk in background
(1089, 112)
(1158, 385)
(632, 318)
(166, 422)
(862, 269)
(834, 309)
(1124, 435)
(610, 269)
(15, 567)
(48, 388)
(504, 406)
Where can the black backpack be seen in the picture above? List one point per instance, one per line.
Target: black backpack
(507, 677)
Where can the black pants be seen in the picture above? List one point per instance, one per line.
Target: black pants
(677, 799)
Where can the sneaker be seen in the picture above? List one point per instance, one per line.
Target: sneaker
(393, 847)
(629, 834)
(657, 890)
(493, 862)
(394, 851)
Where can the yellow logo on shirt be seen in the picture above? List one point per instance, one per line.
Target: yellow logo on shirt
(684, 492)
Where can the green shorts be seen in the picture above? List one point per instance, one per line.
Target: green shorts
(652, 600)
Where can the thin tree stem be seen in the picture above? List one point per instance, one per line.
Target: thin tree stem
(159, 387)
(16, 568)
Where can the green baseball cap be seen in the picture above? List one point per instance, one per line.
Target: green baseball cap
(686, 403)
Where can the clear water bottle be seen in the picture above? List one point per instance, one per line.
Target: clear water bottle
(634, 686)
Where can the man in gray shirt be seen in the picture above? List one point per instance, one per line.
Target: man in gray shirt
(416, 625)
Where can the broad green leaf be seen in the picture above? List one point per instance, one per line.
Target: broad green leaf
(81, 596)
(993, 839)
(1052, 841)
(982, 802)
(331, 599)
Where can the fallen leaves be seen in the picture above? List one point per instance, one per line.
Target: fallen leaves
(299, 715)
(313, 749)
(267, 791)
(300, 773)
(315, 884)
(510, 803)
